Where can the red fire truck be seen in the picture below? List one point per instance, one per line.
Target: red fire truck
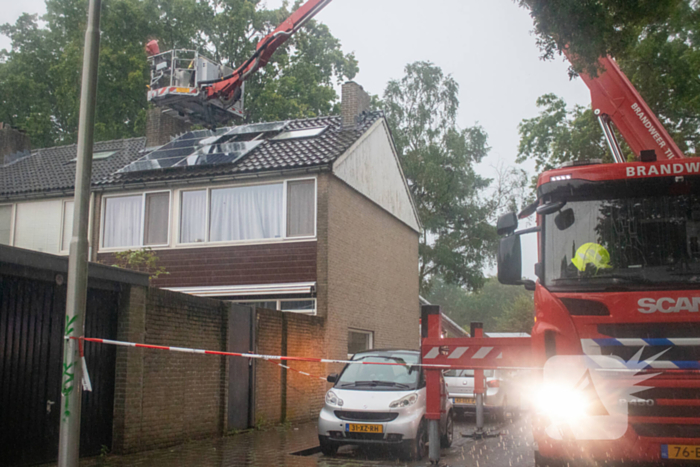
(619, 274)
(619, 259)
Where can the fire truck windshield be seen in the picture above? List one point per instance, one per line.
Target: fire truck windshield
(630, 240)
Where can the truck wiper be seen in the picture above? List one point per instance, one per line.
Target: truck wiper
(636, 278)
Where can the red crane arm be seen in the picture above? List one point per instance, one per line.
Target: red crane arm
(615, 98)
(228, 87)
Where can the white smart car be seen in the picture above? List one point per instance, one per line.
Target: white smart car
(381, 404)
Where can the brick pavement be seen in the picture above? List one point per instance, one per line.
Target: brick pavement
(274, 447)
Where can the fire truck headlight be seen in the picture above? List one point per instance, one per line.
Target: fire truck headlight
(560, 403)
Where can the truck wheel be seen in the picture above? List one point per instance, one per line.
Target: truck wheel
(327, 448)
(446, 438)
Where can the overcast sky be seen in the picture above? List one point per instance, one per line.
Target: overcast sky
(486, 45)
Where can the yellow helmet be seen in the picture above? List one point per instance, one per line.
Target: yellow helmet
(591, 253)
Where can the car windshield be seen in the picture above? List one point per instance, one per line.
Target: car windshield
(365, 377)
(466, 373)
(625, 242)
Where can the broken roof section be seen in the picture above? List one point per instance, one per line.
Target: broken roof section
(274, 146)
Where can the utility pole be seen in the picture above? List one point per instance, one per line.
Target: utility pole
(69, 441)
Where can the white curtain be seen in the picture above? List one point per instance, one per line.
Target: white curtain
(246, 213)
(300, 208)
(193, 216)
(123, 221)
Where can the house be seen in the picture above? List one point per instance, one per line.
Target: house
(309, 216)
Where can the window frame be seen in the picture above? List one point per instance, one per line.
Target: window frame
(361, 331)
(279, 301)
(63, 226)
(207, 232)
(13, 214)
(143, 194)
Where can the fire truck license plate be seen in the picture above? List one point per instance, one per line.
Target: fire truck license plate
(679, 451)
(363, 428)
(465, 400)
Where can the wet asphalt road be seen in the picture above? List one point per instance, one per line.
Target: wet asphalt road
(512, 447)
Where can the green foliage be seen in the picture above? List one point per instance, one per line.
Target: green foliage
(559, 135)
(40, 74)
(656, 43)
(518, 316)
(496, 305)
(144, 260)
(438, 160)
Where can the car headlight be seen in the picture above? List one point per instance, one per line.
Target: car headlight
(404, 401)
(333, 399)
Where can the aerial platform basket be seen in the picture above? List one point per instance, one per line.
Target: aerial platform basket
(177, 78)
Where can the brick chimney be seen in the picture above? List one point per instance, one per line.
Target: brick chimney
(162, 127)
(14, 143)
(354, 101)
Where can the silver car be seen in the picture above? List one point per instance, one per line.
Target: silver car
(380, 404)
(501, 393)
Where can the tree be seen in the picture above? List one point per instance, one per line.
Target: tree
(40, 74)
(438, 161)
(559, 135)
(656, 44)
(499, 307)
(518, 316)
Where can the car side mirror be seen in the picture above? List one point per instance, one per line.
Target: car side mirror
(510, 261)
(507, 224)
(550, 208)
(332, 378)
(565, 219)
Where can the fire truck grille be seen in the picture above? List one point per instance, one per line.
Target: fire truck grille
(625, 340)
(673, 393)
(653, 430)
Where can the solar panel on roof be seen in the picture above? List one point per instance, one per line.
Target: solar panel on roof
(205, 147)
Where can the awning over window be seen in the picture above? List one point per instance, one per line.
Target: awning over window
(299, 288)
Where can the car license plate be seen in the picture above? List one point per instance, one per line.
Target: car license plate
(680, 451)
(465, 400)
(363, 428)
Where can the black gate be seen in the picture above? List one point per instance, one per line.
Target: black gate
(241, 338)
(32, 315)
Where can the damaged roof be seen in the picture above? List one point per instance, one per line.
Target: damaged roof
(285, 148)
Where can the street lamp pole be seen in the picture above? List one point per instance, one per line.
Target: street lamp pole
(69, 440)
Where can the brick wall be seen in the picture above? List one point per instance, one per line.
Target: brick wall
(371, 269)
(354, 101)
(160, 127)
(12, 141)
(283, 394)
(165, 398)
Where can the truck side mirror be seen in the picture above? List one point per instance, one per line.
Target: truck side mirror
(332, 378)
(510, 261)
(507, 224)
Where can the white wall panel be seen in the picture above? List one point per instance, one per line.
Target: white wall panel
(38, 225)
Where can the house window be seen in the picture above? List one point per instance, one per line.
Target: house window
(5, 224)
(38, 226)
(193, 218)
(252, 212)
(67, 225)
(307, 306)
(246, 213)
(301, 208)
(136, 220)
(359, 341)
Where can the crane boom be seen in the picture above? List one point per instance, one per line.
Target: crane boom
(615, 99)
(228, 88)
